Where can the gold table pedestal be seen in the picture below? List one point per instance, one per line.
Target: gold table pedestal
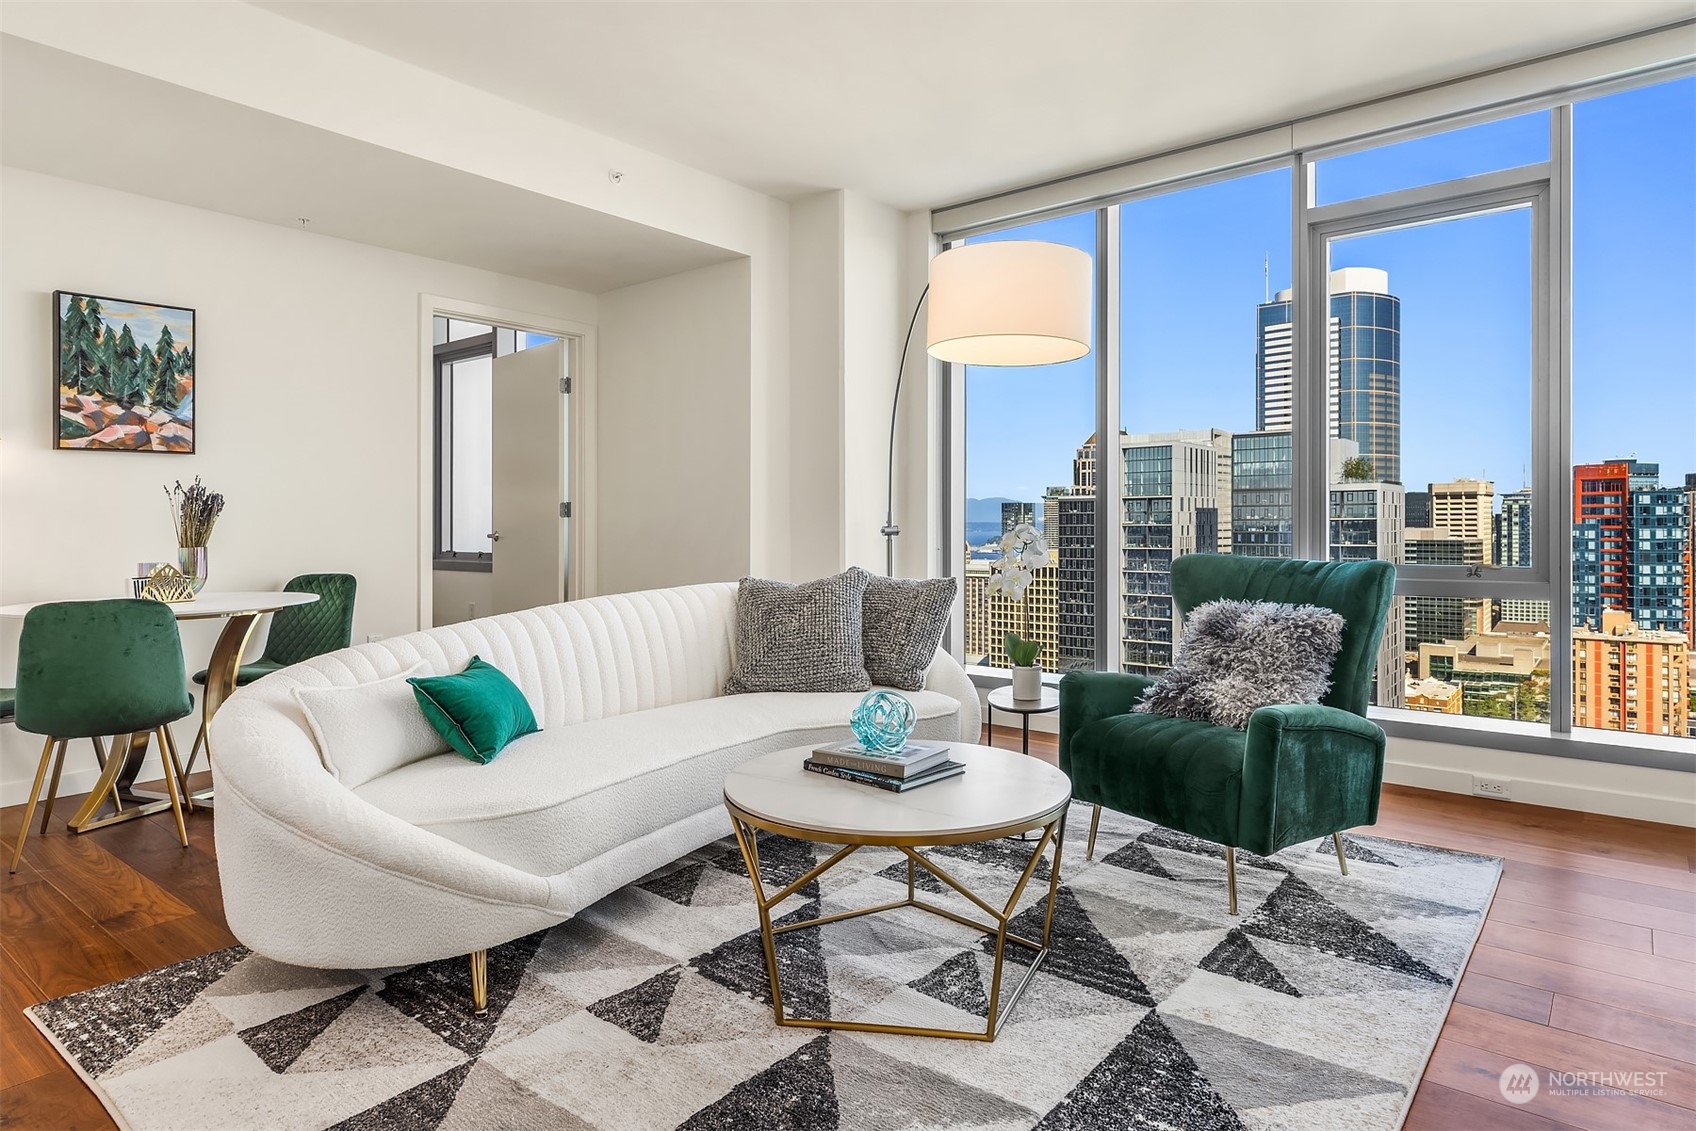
(1053, 826)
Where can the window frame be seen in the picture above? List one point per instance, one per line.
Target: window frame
(1544, 187)
(443, 356)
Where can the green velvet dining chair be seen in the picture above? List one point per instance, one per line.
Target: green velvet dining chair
(93, 668)
(298, 633)
(1297, 772)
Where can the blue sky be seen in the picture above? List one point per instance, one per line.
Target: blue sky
(1197, 261)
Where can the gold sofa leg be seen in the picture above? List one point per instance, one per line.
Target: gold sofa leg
(1231, 876)
(480, 982)
(1094, 824)
(1342, 861)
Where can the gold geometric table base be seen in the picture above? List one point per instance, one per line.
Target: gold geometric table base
(1053, 829)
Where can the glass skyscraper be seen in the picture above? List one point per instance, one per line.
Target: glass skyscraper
(1364, 389)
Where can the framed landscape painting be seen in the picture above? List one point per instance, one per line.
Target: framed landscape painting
(125, 375)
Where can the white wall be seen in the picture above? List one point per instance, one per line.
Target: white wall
(460, 594)
(307, 402)
(676, 489)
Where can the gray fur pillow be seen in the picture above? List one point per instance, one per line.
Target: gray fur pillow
(799, 637)
(1237, 656)
(904, 619)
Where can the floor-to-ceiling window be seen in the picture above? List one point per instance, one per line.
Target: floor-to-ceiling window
(1470, 352)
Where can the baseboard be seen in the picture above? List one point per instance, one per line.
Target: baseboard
(1662, 808)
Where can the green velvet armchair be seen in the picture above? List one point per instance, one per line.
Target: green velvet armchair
(1299, 771)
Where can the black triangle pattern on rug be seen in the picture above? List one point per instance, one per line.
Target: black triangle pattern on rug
(280, 1041)
(100, 1027)
(783, 860)
(640, 1010)
(1354, 850)
(1295, 913)
(1133, 857)
(1148, 1080)
(678, 886)
(922, 880)
(739, 965)
(437, 995)
(419, 1108)
(798, 1093)
(956, 982)
(1235, 957)
(1162, 837)
(1078, 951)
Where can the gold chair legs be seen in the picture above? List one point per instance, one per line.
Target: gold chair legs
(1342, 861)
(480, 982)
(29, 810)
(1094, 824)
(1231, 876)
(54, 750)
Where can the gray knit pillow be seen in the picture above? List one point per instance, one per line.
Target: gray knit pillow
(799, 637)
(1237, 656)
(904, 619)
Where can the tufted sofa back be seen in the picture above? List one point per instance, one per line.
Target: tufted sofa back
(575, 662)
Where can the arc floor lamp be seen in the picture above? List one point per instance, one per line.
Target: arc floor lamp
(1001, 302)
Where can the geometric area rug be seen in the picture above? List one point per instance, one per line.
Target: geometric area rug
(1316, 1008)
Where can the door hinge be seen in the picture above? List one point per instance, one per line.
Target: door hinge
(565, 510)
(565, 385)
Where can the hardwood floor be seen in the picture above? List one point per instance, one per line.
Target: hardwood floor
(1587, 962)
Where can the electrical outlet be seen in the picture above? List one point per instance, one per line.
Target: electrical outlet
(373, 637)
(1499, 788)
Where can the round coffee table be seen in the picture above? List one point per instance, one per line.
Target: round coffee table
(1001, 793)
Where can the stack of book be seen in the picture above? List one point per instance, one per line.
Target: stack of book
(919, 763)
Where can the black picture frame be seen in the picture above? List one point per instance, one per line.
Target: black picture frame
(109, 391)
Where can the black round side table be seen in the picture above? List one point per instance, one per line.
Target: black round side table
(1001, 699)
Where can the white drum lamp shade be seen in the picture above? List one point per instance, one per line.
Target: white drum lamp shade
(1010, 302)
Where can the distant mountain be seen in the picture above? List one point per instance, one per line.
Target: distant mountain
(985, 510)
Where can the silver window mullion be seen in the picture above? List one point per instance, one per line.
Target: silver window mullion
(1108, 530)
(1551, 505)
(1309, 392)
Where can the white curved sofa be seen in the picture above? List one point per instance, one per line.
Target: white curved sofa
(443, 857)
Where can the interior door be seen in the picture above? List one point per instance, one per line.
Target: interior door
(529, 477)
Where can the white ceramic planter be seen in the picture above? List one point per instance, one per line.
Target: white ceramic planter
(1027, 682)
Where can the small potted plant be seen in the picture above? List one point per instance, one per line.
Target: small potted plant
(1023, 552)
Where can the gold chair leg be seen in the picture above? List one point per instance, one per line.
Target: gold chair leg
(53, 785)
(1231, 876)
(29, 810)
(1094, 824)
(194, 751)
(1342, 861)
(173, 765)
(171, 788)
(480, 982)
(100, 757)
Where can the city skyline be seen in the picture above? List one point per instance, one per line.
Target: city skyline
(1209, 256)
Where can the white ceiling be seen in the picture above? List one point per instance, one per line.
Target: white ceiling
(55, 110)
(924, 104)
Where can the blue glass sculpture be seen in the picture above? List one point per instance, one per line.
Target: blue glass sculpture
(882, 722)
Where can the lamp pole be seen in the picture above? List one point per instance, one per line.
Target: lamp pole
(890, 530)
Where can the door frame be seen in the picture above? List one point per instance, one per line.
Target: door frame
(582, 543)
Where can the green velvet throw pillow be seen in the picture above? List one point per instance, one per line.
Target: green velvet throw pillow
(478, 711)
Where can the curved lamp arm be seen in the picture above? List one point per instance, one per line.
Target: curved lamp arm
(890, 530)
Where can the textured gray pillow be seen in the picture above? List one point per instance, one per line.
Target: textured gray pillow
(1237, 656)
(904, 619)
(799, 637)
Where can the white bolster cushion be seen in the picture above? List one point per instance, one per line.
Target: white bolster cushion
(367, 730)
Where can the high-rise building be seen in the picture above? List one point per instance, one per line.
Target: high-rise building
(1169, 507)
(1465, 508)
(1012, 514)
(1419, 508)
(1433, 620)
(1631, 545)
(1363, 387)
(989, 618)
(1513, 530)
(1051, 514)
(1367, 523)
(1628, 678)
(1074, 545)
(1690, 559)
(1262, 493)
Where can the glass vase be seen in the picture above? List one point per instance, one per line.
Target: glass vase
(192, 561)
